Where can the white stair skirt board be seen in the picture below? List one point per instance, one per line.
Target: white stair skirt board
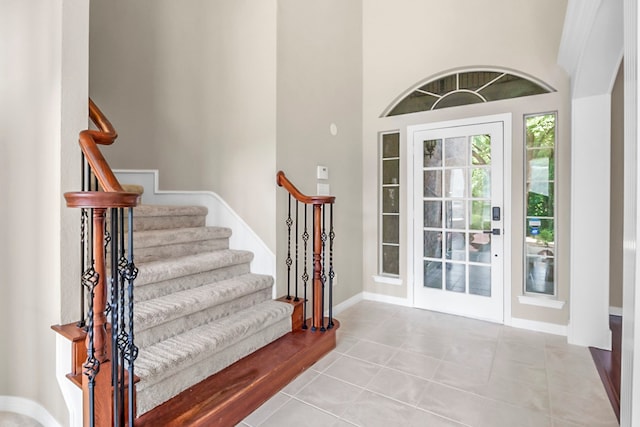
(220, 214)
(29, 408)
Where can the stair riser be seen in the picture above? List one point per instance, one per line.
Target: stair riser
(151, 395)
(157, 253)
(174, 327)
(166, 287)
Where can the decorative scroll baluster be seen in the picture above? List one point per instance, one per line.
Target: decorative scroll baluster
(323, 276)
(131, 353)
(332, 274)
(297, 235)
(288, 261)
(305, 272)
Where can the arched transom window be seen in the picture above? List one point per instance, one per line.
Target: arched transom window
(468, 87)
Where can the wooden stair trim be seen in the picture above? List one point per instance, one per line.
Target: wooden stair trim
(228, 397)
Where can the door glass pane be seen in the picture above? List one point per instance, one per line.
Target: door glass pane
(540, 199)
(433, 244)
(481, 183)
(391, 145)
(390, 259)
(456, 151)
(390, 171)
(480, 280)
(455, 183)
(480, 247)
(481, 150)
(433, 183)
(433, 274)
(432, 153)
(456, 277)
(390, 229)
(433, 214)
(480, 215)
(455, 246)
(390, 200)
(540, 256)
(455, 214)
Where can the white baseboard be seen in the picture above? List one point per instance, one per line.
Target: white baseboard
(534, 325)
(615, 311)
(23, 406)
(347, 303)
(370, 296)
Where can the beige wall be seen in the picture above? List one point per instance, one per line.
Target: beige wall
(406, 42)
(190, 86)
(34, 127)
(617, 190)
(319, 83)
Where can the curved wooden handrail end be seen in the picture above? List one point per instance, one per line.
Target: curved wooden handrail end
(282, 181)
(101, 199)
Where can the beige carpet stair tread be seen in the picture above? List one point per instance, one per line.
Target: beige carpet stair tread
(153, 238)
(144, 210)
(163, 359)
(163, 309)
(157, 271)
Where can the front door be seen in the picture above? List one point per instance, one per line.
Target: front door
(458, 218)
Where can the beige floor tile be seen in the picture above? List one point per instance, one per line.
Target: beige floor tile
(372, 410)
(519, 394)
(329, 394)
(472, 352)
(397, 385)
(461, 406)
(300, 382)
(296, 413)
(353, 371)
(266, 410)
(372, 352)
(582, 411)
(432, 345)
(524, 354)
(344, 341)
(326, 361)
(414, 364)
(505, 415)
(468, 378)
(514, 369)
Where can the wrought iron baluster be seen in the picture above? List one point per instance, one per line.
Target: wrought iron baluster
(323, 277)
(305, 272)
(297, 244)
(92, 365)
(288, 261)
(332, 274)
(113, 308)
(131, 352)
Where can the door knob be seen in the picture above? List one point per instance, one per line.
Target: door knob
(495, 231)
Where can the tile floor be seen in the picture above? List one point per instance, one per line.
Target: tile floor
(397, 366)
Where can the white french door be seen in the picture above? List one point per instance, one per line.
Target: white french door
(458, 220)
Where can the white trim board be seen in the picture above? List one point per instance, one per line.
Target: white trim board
(534, 325)
(29, 408)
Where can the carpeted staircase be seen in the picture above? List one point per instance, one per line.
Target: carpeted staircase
(198, 307)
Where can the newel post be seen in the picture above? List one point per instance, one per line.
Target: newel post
(318, 315)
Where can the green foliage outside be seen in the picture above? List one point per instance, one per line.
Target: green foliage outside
(540, 149)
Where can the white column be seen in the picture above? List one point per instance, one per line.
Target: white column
(590, 212)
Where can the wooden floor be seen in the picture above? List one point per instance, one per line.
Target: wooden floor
(608, 363)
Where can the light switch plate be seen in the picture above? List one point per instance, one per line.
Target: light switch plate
(323, 172)
(323, 190)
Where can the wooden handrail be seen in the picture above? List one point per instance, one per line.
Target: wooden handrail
(282, 181)
(89, 140)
